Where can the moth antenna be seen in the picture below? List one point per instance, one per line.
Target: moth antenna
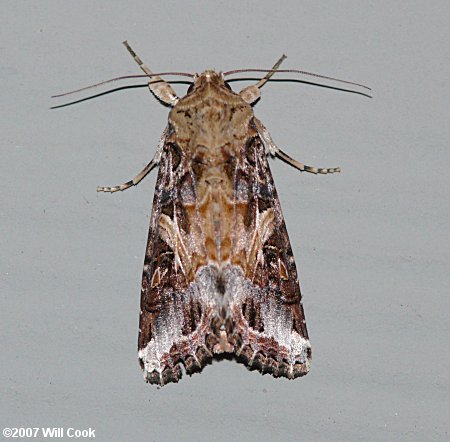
(98, 84)
(295, 71)
(123, 77)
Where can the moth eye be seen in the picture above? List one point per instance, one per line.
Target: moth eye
(227, 85)
(190, 88)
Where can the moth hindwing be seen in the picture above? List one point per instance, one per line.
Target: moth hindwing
(219, 273)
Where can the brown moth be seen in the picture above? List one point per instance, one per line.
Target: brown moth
(219, 273)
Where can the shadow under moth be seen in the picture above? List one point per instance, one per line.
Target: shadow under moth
(219, 273)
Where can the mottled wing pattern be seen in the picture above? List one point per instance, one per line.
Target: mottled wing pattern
(249, 306)
(172, 317)
(269, 324)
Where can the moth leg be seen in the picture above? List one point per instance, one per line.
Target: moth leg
(136, 180)
(143, 173)
(252, 93)
(272, 149)
(160, 88)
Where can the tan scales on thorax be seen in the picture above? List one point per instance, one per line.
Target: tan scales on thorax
(210, 126)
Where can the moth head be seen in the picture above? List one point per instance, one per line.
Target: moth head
(208, 78)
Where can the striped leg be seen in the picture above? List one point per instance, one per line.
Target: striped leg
(143, 173)
(303, 167)
(252, 93)
(272, 149)
(162, 90)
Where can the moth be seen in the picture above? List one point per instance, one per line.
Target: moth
(219, 273)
